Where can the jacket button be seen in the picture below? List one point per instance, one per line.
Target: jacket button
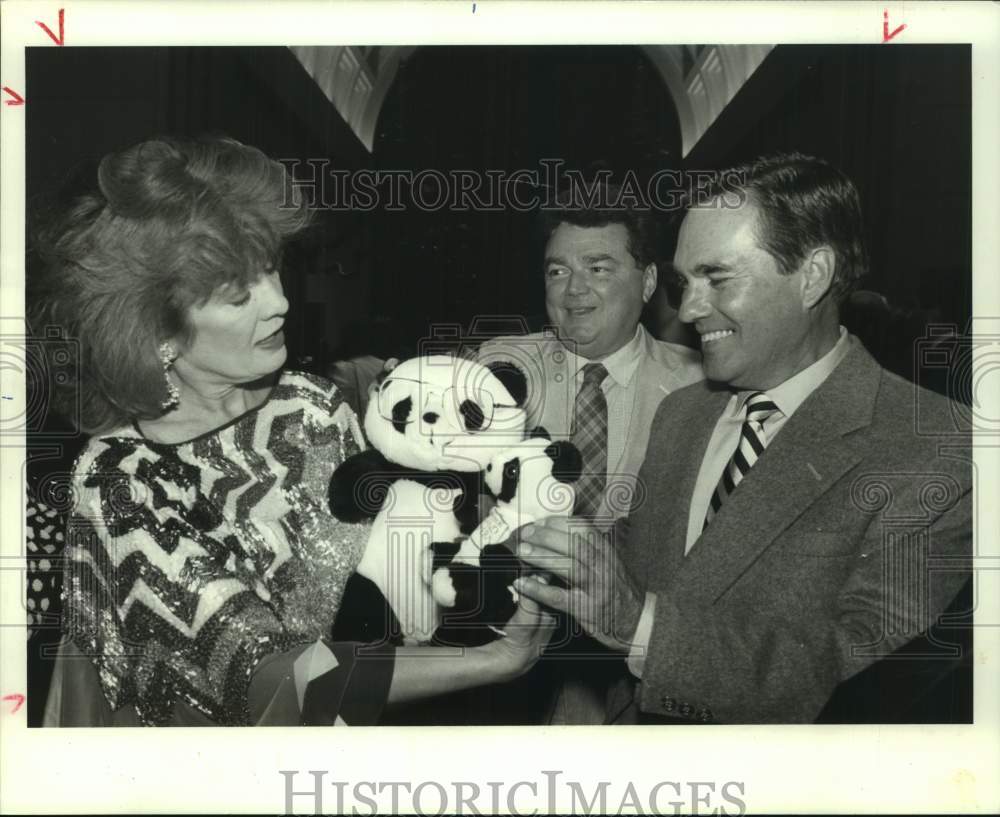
(669, 704)
(704, 714)
(686, 710)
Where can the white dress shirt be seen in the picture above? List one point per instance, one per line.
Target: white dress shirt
(787, 396)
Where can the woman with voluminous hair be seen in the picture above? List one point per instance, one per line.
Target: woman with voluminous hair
(203, 570)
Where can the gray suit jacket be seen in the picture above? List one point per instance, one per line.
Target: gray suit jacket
(663, 368)
(845, 540)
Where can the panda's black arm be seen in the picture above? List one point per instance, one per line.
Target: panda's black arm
(466, 508)
(359, 485)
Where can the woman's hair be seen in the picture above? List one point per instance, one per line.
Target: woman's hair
(171, 222)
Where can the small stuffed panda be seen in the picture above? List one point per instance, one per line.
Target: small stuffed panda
(531, 480)
(434, 423)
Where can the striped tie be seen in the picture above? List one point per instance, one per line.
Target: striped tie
(753, 440)
(590, 435)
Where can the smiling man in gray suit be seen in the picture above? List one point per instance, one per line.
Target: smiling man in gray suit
(806, 512)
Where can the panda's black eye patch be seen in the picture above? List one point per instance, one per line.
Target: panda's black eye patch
(511, 478)
(472, 414)
(401, 414)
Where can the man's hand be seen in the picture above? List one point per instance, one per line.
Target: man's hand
(390, 364)
(601, 595)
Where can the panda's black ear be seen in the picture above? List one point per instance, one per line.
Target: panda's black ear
(567, 462)
(513, 379)
(539, 433)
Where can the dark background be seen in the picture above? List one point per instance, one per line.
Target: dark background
(896, 119)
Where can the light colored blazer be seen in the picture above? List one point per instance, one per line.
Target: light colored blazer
(663, 368)
(847, 537)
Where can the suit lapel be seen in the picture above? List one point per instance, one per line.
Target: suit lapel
(648, 392)
(676, 473)
(556, 391)
(805, 459)
(654, 380)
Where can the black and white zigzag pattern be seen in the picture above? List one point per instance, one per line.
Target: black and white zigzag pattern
(190, 562)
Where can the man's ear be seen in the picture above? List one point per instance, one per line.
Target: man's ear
(818, 270)
(648, 282)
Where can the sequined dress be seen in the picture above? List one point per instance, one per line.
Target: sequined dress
(202, 577)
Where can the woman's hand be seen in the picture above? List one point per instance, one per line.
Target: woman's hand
(390, 364)
(528, 632)
(373, 384)
(421, 672)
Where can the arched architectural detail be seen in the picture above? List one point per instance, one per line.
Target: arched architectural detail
(701, 79)
(355, 79)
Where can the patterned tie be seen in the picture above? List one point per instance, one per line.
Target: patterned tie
(753, 440)
(590, 435)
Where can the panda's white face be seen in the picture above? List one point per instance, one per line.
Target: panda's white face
(437, 413)
(523, 476)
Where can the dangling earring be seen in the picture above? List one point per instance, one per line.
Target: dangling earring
(167, 357)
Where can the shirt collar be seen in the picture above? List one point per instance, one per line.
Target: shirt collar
(791, 394)
(621, 365)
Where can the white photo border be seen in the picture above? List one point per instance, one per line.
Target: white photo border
(871, 769)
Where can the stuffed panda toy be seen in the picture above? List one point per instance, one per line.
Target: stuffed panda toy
(434, 423)
(531, 480)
